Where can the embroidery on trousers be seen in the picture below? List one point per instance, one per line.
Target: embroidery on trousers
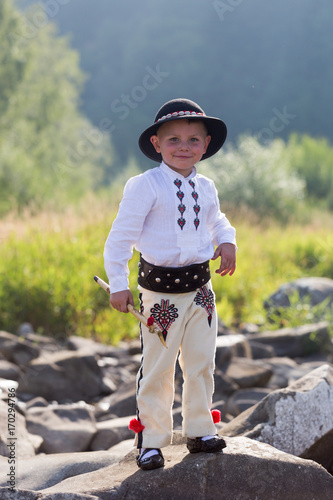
(205, 299)
(164, 315)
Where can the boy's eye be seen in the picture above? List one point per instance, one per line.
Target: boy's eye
(194, 139)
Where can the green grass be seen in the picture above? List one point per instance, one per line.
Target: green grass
(267, 258)
(47, 265)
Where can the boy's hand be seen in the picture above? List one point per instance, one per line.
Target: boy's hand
(120, 300)
(227, 252)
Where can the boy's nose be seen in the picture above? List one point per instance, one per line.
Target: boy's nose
(183, 145)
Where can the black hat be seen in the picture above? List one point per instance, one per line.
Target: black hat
(178, 109)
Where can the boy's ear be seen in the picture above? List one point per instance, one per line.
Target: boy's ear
(207, 141)
(155, 143)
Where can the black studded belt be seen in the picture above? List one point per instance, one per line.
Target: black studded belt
(173, 279)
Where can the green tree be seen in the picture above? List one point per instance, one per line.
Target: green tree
(49, 152)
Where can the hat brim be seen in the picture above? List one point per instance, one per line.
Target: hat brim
(216, 128)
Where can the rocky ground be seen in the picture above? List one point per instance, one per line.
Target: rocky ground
(65, 410)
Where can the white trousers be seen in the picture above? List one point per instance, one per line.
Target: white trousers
(189, 324)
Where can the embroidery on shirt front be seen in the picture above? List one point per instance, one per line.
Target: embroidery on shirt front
(205, 299)
(181, 207)
(164, 315)
(196, 207)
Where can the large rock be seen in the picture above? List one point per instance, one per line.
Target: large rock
(260, 351)
(231, 345)
(316, 290)
(45, 471)
(243, 399)
(64, 428)
(282, 368)
(292, 419)
(9, 370)
(286, 371)
(43, 342)
(224, 385)
(76, 343)
(17, 350)
(111, 432)
(23, 443)
(122, 402)
(63, 376)
(249, 373)
(296, 342)
(247, 470)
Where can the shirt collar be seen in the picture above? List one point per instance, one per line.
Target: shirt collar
(176, 175)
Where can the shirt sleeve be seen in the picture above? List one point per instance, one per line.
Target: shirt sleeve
(219, 226)
(137, 201)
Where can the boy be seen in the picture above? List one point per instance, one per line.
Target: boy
(171, 215)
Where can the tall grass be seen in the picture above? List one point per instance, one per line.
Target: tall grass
(47, 265)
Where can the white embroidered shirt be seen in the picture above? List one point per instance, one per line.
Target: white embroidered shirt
(171, 220)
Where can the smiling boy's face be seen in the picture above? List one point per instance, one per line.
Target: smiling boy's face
(182, 143)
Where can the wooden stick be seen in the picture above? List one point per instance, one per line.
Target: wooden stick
(135, 312)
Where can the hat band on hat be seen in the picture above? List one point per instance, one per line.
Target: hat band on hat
(179, 113)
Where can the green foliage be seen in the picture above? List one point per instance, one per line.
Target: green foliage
(48, 150)
(46, 278)
(267, 258)
(312, 159)
(299, 312)
(47, 267)
(257, 177)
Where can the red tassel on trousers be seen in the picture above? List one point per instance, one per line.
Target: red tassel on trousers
(136, 426)
(216, 414)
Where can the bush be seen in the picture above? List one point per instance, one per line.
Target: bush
(257, 177)
(312, 159)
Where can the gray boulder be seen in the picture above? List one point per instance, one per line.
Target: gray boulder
(25, 444)
(111, 432)
(43, 342)
(260, 350)
(243, 399)
(44, 471)
(64, 428)
(316, 290)
(76, 343)
(231, 345)
(286, 371)
(296, 342)
(65, 375)
(292, 419)
(224, 385)
(17, 350)
(122, 402)
(249, 373)
(9, 370)
(247, 470)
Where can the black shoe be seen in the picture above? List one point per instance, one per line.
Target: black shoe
(150, 463)
(212, 445)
